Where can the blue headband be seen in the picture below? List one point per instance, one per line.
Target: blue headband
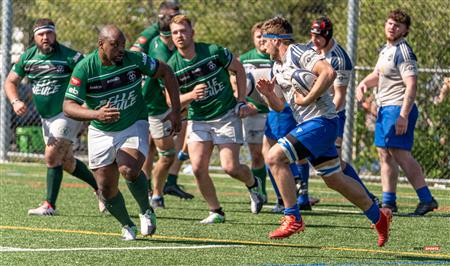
(275, 36)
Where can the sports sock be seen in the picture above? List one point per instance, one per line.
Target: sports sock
(373, 213)
(294, 170)
(389, 198)
(139, 190)
(274, 184)
(54, 179)
(294, 210)
(171, 180)
(424, 194)
(350, 171)
(82, 172)
(303, 170)
(219, 211)
(254, 184)
(262, 175)
(116, 206)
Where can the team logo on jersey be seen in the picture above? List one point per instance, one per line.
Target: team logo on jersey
(131, 75)
(59, 69)
(390, 57)
(142, 40)
(211, 65)
(76, 57)
(75, 81)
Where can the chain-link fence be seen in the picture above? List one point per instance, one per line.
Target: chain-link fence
(228, 23)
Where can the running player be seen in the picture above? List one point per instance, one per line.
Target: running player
(395, 75)
(317, 119)
(48, 65)
(106, 89)
(213, 114)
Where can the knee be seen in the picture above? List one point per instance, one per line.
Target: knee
(258, 158)
(166, 160)
(105, 193)
(129, 172)
(231, 168)
(332, 183)
(273, 159)
(199, 170)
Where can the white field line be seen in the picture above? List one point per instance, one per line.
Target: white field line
(12, 249)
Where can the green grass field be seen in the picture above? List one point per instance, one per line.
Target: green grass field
(336, 232)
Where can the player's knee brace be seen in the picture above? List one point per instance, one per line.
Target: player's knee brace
(167, 153)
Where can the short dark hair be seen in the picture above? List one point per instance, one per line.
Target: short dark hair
(169, 5)
(43, 22)
(400, 16)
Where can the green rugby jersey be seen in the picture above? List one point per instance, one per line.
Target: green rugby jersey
(49, 75)
(96, 85)
(256, 63)
(208, 66)
(153, 89)
(145, 37)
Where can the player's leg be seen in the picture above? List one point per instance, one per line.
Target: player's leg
(147, 167)
(166, 152)
(171, 187)
(389, 176)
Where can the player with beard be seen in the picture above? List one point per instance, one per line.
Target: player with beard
(48, 65)
(317, 120)
(395, 75)
(106, 89)
(214, 114)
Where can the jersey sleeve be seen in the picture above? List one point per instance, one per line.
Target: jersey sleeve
(406, 61)
(147, 64)
(18, 67)
(74, 60)
(309, 59)
(76, 90)
(225, 56)
(342, 78)
(144, 39)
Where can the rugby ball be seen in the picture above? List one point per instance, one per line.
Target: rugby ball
(303, 80)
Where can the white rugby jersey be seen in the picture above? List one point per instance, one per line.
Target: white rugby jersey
(299, 56)
(394, 62)
(341, 63)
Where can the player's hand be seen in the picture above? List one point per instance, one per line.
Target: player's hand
(20, 108)
(175, 121)
(300, 99)
(360, 91)
(108, 114)
(252, 109)
(265, 86)
(199, 91)
(401, 126)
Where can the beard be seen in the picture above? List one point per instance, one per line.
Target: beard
(48, 49)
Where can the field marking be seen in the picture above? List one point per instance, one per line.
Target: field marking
(12, 249)
(238, 242)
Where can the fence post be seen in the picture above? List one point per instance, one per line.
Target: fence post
(7, 15)
(352, 45)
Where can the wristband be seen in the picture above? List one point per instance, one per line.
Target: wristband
(15, 101)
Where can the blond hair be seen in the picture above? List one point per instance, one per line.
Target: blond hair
(180, 19)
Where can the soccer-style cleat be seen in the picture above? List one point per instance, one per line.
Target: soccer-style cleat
(423, 208)
(129, 232)
(278, 208)
(288, 227)
(392, 207)
(256, 197)
(213, 218)
(176, 191)
(44, 210)
(148, 222)
(157, 203)
(382, 226)
(313, 201)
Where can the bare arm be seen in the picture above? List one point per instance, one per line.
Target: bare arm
(241, 81)
(368, 82)
(79, 112)
(12, 83)
(266, 88)
(325, 77)
(339, 96)
(410, 95)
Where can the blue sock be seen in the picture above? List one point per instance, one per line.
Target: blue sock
(350, 171)
(424, 194)
(294, 210)
(373, 213)
(389, 198)
(303, 197)
(294, 170)
(274, 185)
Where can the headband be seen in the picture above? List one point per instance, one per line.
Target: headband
(276, 36)
(47, 27)
(165, 33)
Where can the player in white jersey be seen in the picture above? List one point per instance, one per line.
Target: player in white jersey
(323, 42)
(316, 117)
(395, 75)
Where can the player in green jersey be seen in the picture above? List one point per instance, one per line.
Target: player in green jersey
(106, 89)
(213, 113)
(48, 65)
(257, 65)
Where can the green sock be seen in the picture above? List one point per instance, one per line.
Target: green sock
(139, 190)
(54, 179)
(82, 172)
(171, 180)
(262, 174)
(116, 206)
